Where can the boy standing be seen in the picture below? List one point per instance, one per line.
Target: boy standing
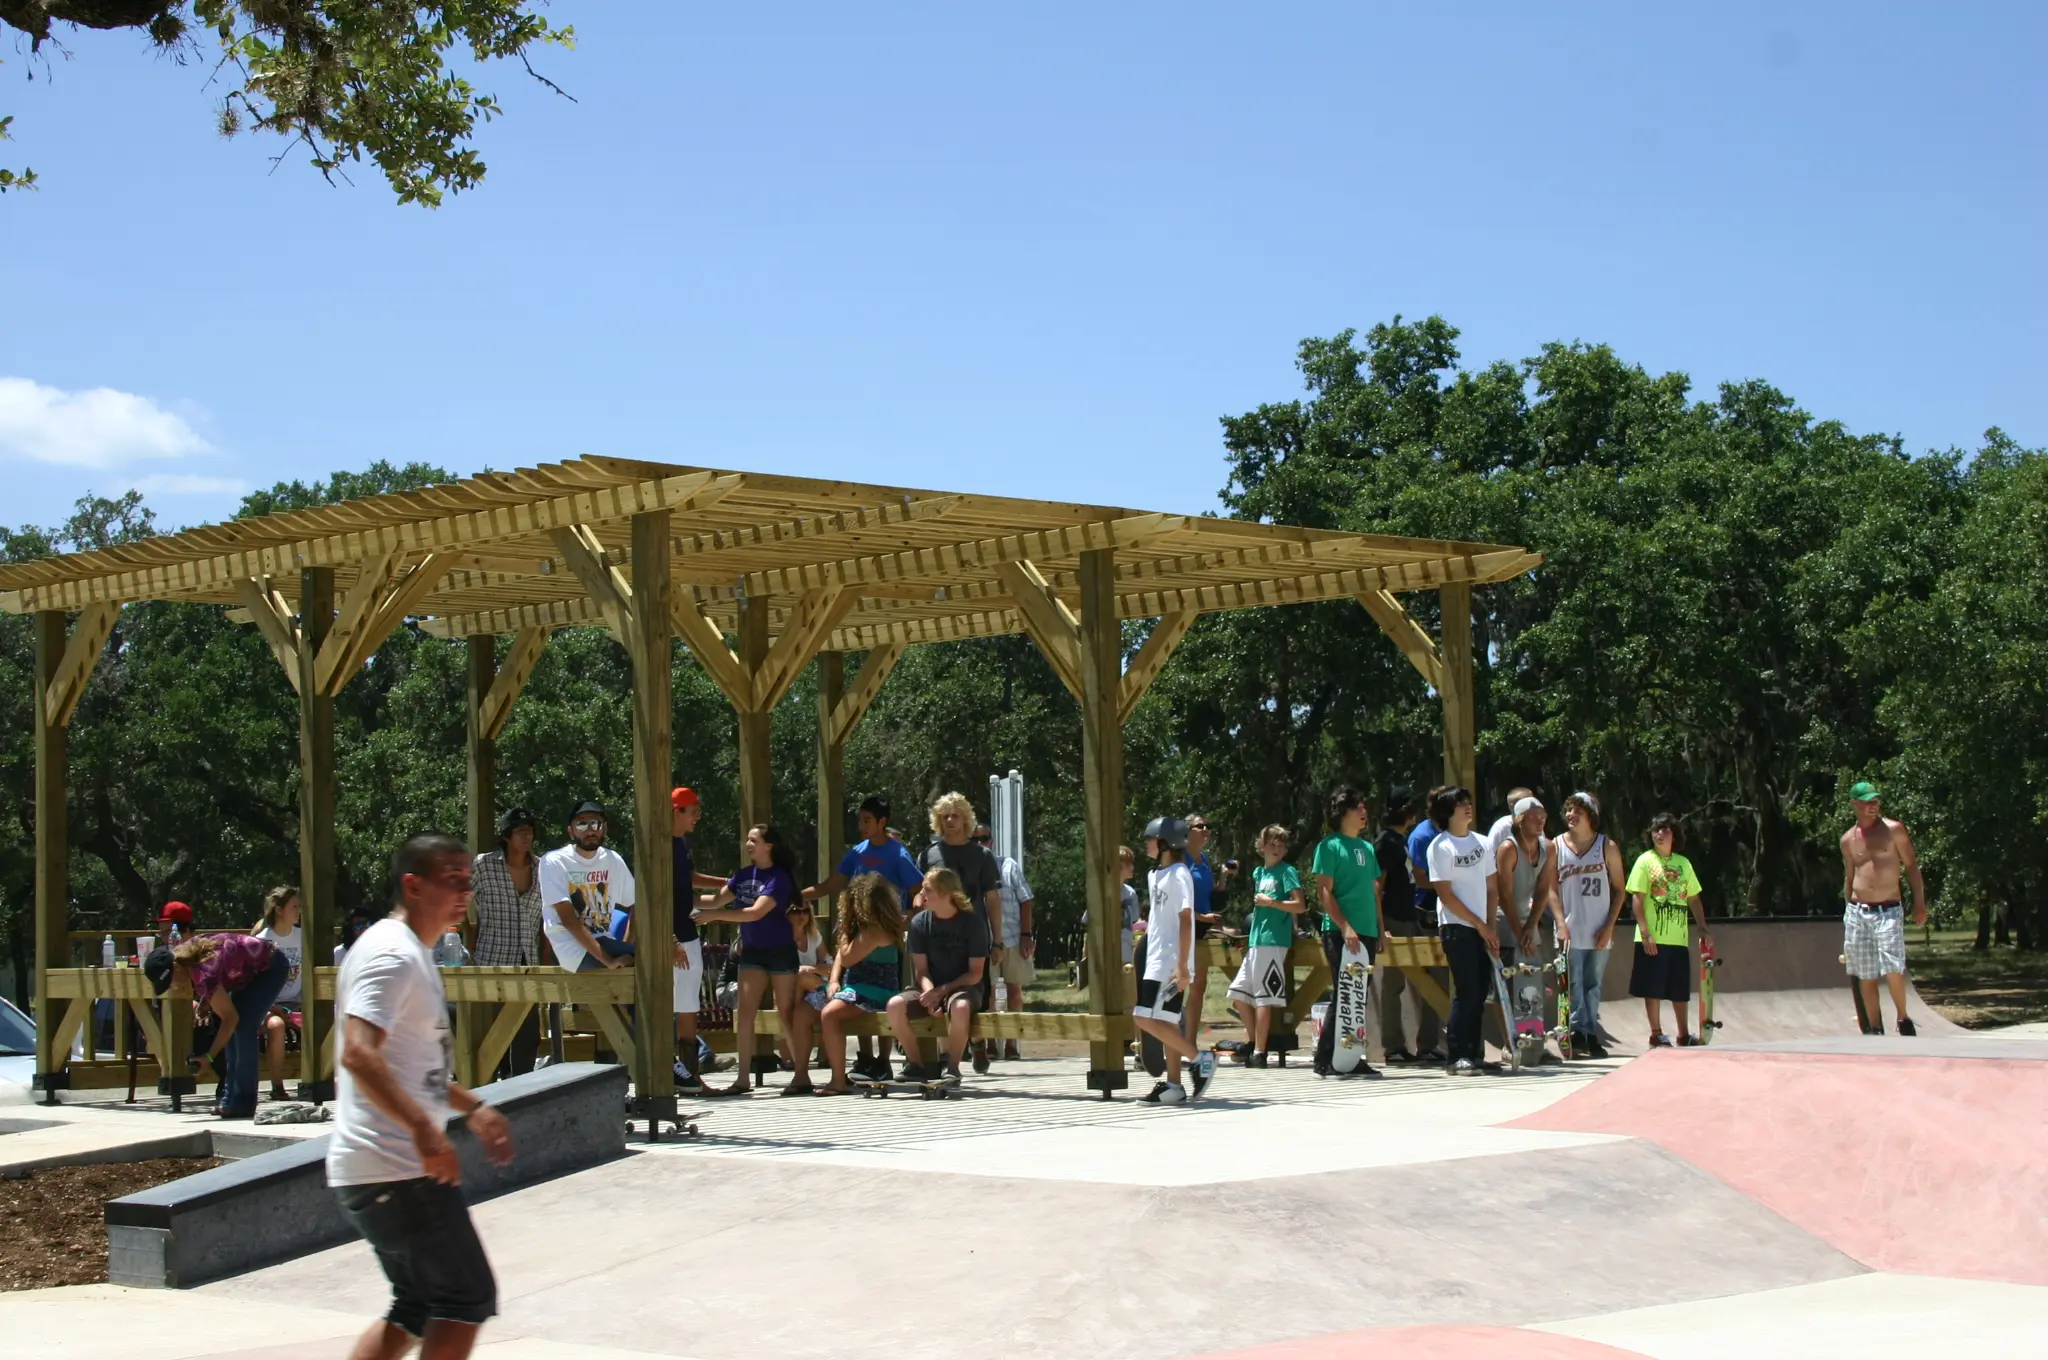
(1666, 896)
(1260, 987)
(1347, 873)
(1169, 962)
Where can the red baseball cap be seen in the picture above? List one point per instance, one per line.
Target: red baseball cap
(175, 911)
(682, 798)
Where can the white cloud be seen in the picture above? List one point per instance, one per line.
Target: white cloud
(185, 484)
(94, 428)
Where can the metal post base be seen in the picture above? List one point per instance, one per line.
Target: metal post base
(50, 1083)
(1108, 1080)
(658, 1111)
(319, 1092)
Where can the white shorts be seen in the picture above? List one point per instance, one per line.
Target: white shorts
(689, 979)
(1159, 1001)
(1262, 978)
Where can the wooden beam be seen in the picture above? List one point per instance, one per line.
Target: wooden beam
(511, 677)
(53, 845)
(273, 619)
(687, 491)
(831, 770)
(810, 528)
(405, 598)
(1330, 585)
(1408, 635)
(707, 644)
(1150, 660)
(607, 585)
(353, 616)
(654, 904)
(814, 618)
(1051, 624)
(481, 748)
(1461, 754)
(954, 559)
(81, 653)
(1102, 762)
(318, 909)
(853, 705)
(757, 784)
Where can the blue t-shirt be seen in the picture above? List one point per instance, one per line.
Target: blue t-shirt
(773, 930)
(1205, 884)
(1418, 856)
(686, 890)
(891, 861)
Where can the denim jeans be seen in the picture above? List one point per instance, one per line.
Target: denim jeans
(424, 1239)
(1587, 965)
(238, 1073)
(1471, 980)
(618, 949)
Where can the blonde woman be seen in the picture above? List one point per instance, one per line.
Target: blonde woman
(867, 969)
(949, 959)
(280, 926)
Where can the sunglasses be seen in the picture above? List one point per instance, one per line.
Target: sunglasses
(1198, 826)
(588, 824)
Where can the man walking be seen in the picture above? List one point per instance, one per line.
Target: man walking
(1016, 944)
(1874, 852)
(389, 1158)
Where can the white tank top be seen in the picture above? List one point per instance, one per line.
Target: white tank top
(1583, 890)
(1522, 881)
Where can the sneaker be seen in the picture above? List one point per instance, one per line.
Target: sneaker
(1690, 1041)
(1463, 1067)
(1367, 1071)
(1173, 1095)
(951, 1073)
(1244, 1057)
(1010, 1053)
(1906, 1027)
(912, 1072)
(1203, 1076)
(688, 1085)
(1660, 1041)
(1593, 1048)
(1155, 1095)
(980, 1059)
(1399, 1057)
(1256, 1060)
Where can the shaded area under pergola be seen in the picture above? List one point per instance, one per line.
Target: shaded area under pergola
(757, 576)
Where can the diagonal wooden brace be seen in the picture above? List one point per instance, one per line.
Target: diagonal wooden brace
(853, 705)
(607, 585)
(513, 673)
(1046, 617)
(1150, 660)
(81, 653)
(816, 614)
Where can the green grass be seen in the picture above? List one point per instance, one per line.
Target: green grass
(1981, 990)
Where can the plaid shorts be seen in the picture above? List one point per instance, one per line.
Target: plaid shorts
(1874, 939)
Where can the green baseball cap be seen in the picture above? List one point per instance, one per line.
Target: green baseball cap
(1863, 791)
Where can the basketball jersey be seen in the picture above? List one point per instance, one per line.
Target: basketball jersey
(1583, 890)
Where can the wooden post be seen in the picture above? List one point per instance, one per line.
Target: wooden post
(317, 906)
(1461, 751)
(831, 770)
(757, 788)
(483, 751)
(1102, 758)
(53, 852)
(654, 1079)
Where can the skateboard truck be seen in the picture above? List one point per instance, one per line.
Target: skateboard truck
(659, 1111)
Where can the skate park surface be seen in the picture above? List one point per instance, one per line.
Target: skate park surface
(1808, 1193)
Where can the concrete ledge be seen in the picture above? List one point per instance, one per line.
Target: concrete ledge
(277, 1205)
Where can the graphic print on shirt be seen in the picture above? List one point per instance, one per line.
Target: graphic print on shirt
(590, 893)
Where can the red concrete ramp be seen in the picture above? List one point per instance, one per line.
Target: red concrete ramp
(1929, 1165)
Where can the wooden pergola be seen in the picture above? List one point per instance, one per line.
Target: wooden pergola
(757, 576)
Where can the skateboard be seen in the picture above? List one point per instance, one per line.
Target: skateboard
(939, 1088)
(1525, 1021)
(1347, 1013)
(1562, 967)
(1510, 993)
(1710, 962)
(1856, 994)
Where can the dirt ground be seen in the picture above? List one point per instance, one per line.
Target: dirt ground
(53, 1227)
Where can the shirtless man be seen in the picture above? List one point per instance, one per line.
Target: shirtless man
(1873, 914)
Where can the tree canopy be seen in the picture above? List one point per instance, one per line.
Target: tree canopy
(1743, 610)
(345, 79)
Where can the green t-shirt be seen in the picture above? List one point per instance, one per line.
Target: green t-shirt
(1352, 869)
(1270, 925)
(1665, 884)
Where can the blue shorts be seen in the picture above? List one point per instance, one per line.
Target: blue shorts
(423, 1238)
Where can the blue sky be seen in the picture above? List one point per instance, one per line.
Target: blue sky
(1028, 249)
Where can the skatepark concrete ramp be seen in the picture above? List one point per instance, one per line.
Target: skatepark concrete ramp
(1780, 978)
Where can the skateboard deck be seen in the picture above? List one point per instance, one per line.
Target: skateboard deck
(1562, 967)
(1504, 980)
(1856, 994)
(1527, 996)
(1710, 962)
(940, 1088)
(1347, 1013)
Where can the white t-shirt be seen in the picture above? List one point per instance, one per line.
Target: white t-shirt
(595, 883)
(1173, 892)
(1463, 862)
(388, 979)
(1497, 835)
(291, 944)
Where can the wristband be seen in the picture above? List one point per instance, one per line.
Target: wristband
(1026, 935)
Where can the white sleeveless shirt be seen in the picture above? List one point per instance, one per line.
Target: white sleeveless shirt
(1583, 890)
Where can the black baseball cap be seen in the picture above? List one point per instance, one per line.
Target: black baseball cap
(588, 806)
(515, 818)
(157, 968)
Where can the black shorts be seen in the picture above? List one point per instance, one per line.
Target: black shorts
(423, 1238)
(1159, 1000)
(1663, 976)
(774, 959)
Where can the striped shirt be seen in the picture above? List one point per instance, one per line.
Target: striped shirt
(508, 920)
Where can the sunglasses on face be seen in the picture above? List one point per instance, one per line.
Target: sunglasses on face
(586, 826)
(1198, 826)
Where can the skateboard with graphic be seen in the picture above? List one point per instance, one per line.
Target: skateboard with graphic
(938, 1088)
(1529, 997)
(1347, 1013)
(1710, 963)
(1562, 1031)
(1506, 986)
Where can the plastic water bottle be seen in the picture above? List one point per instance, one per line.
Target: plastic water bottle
(450, 953)
(175, 936)
(107, 952)
(1002, 995)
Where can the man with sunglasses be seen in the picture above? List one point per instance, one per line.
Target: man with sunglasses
(580, 883)
(1208, 915)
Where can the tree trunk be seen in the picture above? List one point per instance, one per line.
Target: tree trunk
(1983, 925)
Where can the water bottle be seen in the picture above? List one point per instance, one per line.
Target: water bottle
(107, 952)
(175, 936)
(1002, 995)
(451, 954)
